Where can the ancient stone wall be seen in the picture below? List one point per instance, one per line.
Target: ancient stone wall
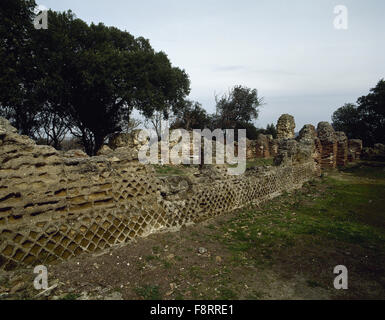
(308, 137)
(54, 205)
(355, 149)
(342, 149)
(273, 147)
(375, 153)
(252, 146)
(285, 127)
(328, 139)
(263, 146)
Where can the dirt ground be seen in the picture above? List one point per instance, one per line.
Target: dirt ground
(285, 249)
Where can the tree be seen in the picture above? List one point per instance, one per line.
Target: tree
(366, 120)
(20, 100)
(53, 128)
(130, 125)
(191, 116)
(156, 121)
(89, 76)
(239, 106)
(251, 130)
(347, 119)
(372, 112)
(271, 130)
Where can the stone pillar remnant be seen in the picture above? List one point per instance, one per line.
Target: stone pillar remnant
(285, 127)
(328, 139)
(355, 149)
(342, 152)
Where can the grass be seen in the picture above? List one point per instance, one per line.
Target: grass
(365, 169)
(337, 212)
(286, 248)
(350, 211)
(227, 294)
(259, 162)
(169, 171)
(149, 292)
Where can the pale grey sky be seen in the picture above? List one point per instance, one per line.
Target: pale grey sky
(288, 50)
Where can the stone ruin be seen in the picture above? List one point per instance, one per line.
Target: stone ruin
(375, 153)
(127, 140)
(263, 146)
(329, 145)
(328, 148)
(308, 137)
(56, 205)
(342, 148)
(355, 149)
(285, 127)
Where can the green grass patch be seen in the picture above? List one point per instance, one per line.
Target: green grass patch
(169, 171)
(149, 292)
(370, 170)
(346, 210)
(259, 162)
(227, 294)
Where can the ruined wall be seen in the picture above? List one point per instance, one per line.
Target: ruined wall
(355, 149)
(308, 136)
(251, 152)
(342, 149)
(54, 205)
(328, 139)
(375, 153)
(285, 127)
(263, 146)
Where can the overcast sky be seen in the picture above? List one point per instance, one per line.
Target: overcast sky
(289, 50)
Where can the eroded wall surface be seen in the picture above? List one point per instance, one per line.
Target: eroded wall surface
(55, 206)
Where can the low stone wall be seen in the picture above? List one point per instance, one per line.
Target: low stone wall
(263, 146)
(355, 149)
(55, 206)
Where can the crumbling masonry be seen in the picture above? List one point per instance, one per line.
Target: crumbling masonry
(55, 205)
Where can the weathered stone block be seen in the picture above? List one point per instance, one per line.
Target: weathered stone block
(285, 127)
(328, 140)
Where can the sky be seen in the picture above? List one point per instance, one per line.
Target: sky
(290, 51)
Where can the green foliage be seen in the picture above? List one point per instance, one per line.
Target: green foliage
(106, 74)
(239, 106)
(366, 120)
(251, 131)
(90, 77)
(19, 96)
(270, 130)
(191, 116)
(260, 162)
(227, 294)
(347, 119)
(349, 211)
(240, 101)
